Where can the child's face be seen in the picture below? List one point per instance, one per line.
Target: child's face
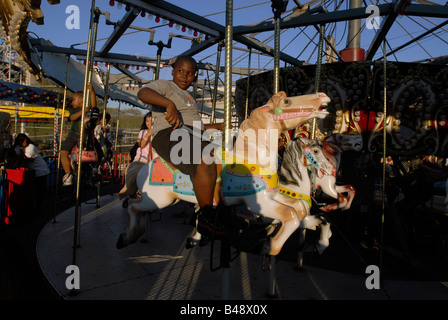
(76, 100)
(148, 121)
(184, 74)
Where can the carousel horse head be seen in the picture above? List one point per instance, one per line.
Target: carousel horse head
(285, 113)
(305, 152)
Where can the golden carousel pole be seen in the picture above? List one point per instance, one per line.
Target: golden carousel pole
(106, 95)
(227, 138)
(383, 191)
(215, 86)
(248, 85)
(94, 17)
(64, 104)
(313, 128)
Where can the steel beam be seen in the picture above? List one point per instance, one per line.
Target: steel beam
(385, 26)
(119, 29)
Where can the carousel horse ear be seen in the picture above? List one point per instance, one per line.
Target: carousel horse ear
(275, 99)
(304, 141)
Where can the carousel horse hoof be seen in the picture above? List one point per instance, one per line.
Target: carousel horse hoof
(121, 243)
(125, 203)
(321, 246)
(191, 243)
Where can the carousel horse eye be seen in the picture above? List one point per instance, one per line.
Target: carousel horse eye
(286, 101)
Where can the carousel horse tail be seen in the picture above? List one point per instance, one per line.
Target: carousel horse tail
(130, 187)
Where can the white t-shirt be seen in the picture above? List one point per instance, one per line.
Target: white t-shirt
(38, 164)
(184, 102)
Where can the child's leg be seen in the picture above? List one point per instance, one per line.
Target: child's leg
(204, 182)
(65, 161)
(67, 145)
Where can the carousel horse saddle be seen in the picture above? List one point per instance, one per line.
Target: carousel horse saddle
(86, 155)
(162, 174)
(241, 178)
(238, 179)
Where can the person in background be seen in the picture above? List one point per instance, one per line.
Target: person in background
(102, 132)
(73, 136)
(145, 152)
(34, 161)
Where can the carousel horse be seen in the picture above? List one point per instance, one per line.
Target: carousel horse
(248, 177)
(321, 175)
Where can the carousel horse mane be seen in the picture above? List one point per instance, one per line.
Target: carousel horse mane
(288, 171)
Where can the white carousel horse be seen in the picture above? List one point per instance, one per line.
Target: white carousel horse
(247, 179)
(322, 175)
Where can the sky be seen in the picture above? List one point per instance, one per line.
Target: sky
(296, 42)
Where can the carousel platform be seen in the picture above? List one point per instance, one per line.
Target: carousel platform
(161, 268)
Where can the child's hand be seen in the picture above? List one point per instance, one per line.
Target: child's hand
(172, 116)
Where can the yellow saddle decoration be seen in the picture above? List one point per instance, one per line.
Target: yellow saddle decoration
(240, 167)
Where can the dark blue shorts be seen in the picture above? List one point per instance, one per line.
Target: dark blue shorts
(183, 153)
(71, 140)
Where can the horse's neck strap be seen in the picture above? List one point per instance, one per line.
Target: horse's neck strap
(295, 195)
(321, 169)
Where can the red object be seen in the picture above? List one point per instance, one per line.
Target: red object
(352, 54)
(121, 162)
(19, 195)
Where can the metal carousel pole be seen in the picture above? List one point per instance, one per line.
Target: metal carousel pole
(278, 7)
(215, 86)
(225, 243)
(64, 104)
(317, 77)
(94, 18)
(246, 111)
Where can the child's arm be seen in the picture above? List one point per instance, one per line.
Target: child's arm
(217, 126)
(145, 140)
(75, 116)
(150, 96)
(92, 95)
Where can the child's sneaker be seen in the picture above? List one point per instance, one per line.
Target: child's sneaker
(67, 179)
